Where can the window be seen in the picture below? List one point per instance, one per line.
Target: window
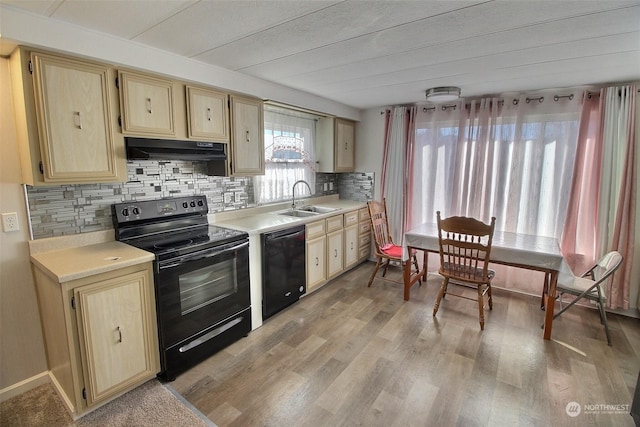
(289, 138)
(514, 165)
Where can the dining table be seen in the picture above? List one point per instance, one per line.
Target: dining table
(540, 253)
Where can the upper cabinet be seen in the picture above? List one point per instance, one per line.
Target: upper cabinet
(146, 103)
(207, 114)
(335, 148)
(247, 142)
(64, 111)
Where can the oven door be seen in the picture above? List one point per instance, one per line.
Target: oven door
(201, 289)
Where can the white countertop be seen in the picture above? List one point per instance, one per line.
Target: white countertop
(264, 222)
(74, 263)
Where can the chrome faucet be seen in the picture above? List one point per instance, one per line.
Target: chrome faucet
(293, 192)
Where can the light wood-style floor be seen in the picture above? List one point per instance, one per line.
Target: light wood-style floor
(352, 355)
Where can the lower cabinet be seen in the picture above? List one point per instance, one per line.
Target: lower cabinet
(100, 334)
(335, 244)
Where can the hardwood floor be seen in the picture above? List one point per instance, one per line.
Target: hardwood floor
(352, 355)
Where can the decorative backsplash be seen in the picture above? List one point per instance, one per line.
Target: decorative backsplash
(356, 186)
(74, 209)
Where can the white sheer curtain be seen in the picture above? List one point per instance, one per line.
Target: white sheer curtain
(493, 157)
(395, 170)
(289, 140)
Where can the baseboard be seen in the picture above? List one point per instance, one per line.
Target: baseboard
(24, 386)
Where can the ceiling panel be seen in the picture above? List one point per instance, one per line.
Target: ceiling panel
(367, 53)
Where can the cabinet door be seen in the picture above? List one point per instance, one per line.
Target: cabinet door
(247, 143)
(344, 146)
(351, 246)
(73, 106)
(146, 104)
(207, 114)
(334, 254)
(316, 262)
(115, 319)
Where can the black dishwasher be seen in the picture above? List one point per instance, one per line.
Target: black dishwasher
(283, 269)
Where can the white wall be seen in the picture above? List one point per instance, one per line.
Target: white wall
(369, 143)
(22, 353)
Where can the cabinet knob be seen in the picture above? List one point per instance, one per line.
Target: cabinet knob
(78, 119)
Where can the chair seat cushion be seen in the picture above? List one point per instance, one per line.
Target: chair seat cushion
(392, 250)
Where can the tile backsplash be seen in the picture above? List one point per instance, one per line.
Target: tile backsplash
(73, 209)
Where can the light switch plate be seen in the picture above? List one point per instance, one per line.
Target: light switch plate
(10, 222)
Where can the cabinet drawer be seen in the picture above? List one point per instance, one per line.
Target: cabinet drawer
(315, 229)
(363, 252)
(365, 240)
(350, 218)
(364, 227)
(364, 214)
(334, 223)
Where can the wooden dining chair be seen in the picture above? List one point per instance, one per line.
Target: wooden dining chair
(385, 250)
(465, 248)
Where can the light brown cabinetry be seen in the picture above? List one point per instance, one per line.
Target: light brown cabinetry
(316, 244)
(364, 234)
(335, 148)
(100, 333)
(146, 104)
(335, 249)
(64, 110)
(351, 239)
(207, 114)
(247, 137)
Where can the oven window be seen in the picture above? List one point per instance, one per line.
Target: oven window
(207, 285)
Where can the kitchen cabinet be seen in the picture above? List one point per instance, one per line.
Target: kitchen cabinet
(207, 114)
(335, 147)
(364, 234)
(146, 104)
(100, 333)
(316, 241)
(247, 136)
(66, 128)
(335, 248)
(351, 239)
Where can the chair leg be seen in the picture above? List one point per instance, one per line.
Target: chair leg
(375, 270)
(386, 266)
(490, 297)
(415, 263)
(440, 295)
(481, 308)
(603, 320)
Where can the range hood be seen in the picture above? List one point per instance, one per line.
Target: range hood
(169, 149)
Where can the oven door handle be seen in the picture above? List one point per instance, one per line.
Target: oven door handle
(201, 255)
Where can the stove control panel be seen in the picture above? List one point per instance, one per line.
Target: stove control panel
(161, 208)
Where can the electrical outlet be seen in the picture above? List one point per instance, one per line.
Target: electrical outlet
(326, 186)
(10, 222)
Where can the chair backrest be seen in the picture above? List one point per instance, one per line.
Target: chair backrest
(605, 267)
(379, 224)
(465, 248)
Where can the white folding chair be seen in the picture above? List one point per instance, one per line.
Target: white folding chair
(590, 286)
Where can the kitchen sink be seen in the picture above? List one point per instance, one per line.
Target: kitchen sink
(317, 209)
(299, 213)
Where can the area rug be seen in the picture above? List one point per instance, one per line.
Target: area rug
(151, 404)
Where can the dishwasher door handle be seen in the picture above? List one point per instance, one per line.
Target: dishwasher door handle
(294, 235)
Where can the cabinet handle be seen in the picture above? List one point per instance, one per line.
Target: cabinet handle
(346, 145)
(149, 110)
(248, 137)
(351, 245)
(78, 119)
(335, 255)
(209, 114)
(317, 261)
(119, 333)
